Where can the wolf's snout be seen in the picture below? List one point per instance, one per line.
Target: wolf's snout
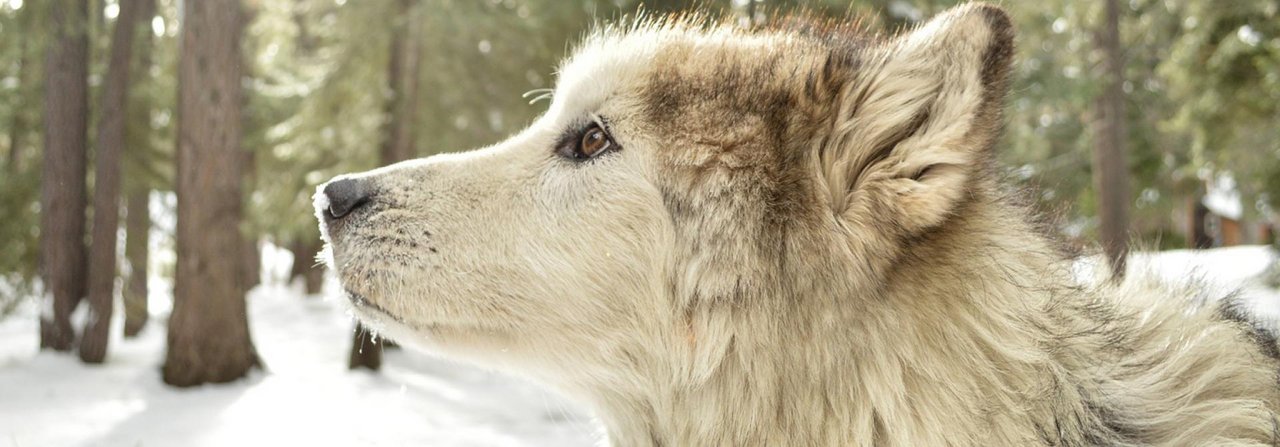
(345, 196)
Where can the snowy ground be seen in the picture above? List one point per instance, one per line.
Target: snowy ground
(1223, 269)
(307, 397)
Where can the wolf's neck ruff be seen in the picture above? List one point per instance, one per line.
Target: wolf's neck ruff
(882, 366)
(982, 337)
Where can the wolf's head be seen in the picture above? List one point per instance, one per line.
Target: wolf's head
(686, 180)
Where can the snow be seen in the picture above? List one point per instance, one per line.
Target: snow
(1222, 270)
(306, 396)
(1223, 198)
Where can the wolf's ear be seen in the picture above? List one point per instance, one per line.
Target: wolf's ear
(916, 119)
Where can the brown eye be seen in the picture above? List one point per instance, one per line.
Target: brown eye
(585, 143)
(594, 142)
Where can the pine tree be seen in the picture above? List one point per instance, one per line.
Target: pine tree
(137, 238)
(208, 329)
(62, 203)
(304, 251)
(106, 200)
(138, 189)
(1110, 164)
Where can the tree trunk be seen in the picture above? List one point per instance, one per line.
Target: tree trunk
(106, 199)
(407, 116)
(304, 264)
(138, 206)
(208, 329)
(137, 238)
(62, 190)
(100, 15)
(1110, 166)
(366, 350)
(402, 84)
(1199, 237)
(251, 264)
(313, 280)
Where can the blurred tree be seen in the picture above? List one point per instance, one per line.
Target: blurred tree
(367, 350)
(297, 71)
(137, 236)
(1110, 168)
(1048, 145)
(304, 265)
(21, 110)
(1222, 68)
(1199, 237)
(18, 122)
(138, 192)
(1200, 101)
(401, 92)
(311, 112)
(62, 204)
(106, 201)
(208, 329)
(147, 159)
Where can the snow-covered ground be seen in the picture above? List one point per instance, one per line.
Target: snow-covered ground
(307, 397)
(1223, 270)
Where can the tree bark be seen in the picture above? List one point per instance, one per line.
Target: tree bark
(100, 15)
(106, 199)
(405, 138)
(366, 350)
(62, 189)
(137, 239)
(313, 280)
(251, 264)
(402, 84)
(1199, 234)
(138, 193)
(208, 328)
(1110, 165)
(304, 264)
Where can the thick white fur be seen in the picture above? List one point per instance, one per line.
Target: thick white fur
(902, 301)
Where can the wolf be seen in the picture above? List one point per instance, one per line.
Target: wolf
(793, 235)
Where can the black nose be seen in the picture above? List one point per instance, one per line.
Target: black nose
(345, 196)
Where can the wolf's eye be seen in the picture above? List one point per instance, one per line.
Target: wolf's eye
(591, 142)
(594, 142)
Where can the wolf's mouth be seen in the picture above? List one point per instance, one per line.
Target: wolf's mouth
(363, 303)
(378, 317)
